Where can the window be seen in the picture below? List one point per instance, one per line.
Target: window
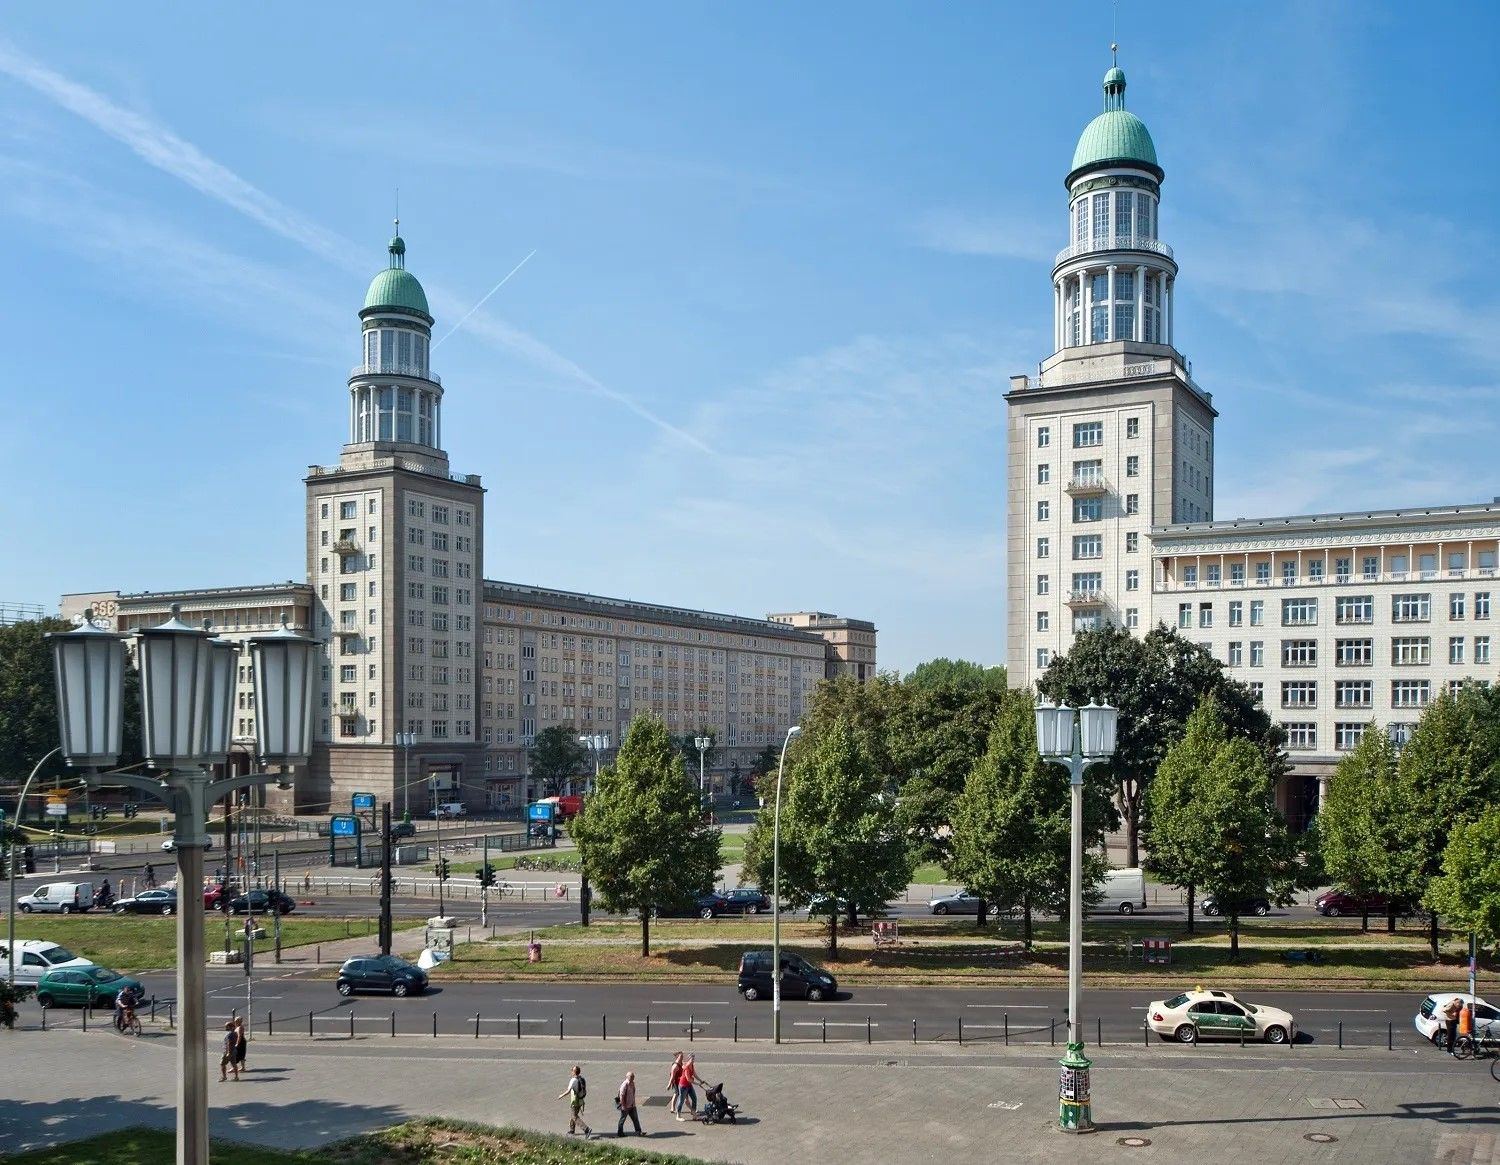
(1043, 547)
(346, 673)
(1087, 582)
(1133, 466)
(1043, 584)
(1354, 693)
(1288, 573)
(1342, 568)
(1043, 511)
(1301, 736)
(1299, 612)
(1236, 613)
(1043, 658)
(1043, 620)
(348, 510)
(1346, 737)
(323, 510)
(1215, 575)
(1087, 434)
(1236, 653)
(1132, 580)
(1184, 614)
(1299, 652)
(1369, 566)
(1299, 693)
(1089, 471)
(1410, 693)
(1257, 612)
(1481, 604)
(1262, 573)
(1411, 608)
(1315, 570)
(1257, 653)
(1456, 606)
(1456, 649)
(1481, 649)
(1411, 649)
(1088, 546)
(1354, 652)
(1132, 503)
(1132, 617)
(1237, 574)
(1205, 614)
(1257, 691)
(1043, 436)
(1190, 576)
(348, 592)
(1354, 609)
(1132, 542)
(1088, 509)
(1043, 473)
(1132, 427)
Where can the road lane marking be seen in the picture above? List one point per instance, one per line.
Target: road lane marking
(538, 1001)
(1014, 1006)
(696, 1022)
(828, 1023)
(1345, 1010)
(695, 1002)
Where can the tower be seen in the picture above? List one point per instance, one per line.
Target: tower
(394, 553)
(1112, 436)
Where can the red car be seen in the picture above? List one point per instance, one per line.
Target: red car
(1338, 903)
(212, 893)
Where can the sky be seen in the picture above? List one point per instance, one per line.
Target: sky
(776, 264)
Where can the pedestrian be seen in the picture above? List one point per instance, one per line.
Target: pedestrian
(689, 1078)
(674, 1087)
(1450, 1013)
(577, 1093)
(241, 1044)
(625, 1102)
(148, 876)
(227, 1062)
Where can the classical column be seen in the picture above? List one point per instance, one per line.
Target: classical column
(1140, 303)
(1085, 308)
(1109, 315)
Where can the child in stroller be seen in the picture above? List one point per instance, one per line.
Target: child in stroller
(716, 1106)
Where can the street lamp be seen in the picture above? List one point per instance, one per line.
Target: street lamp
(794, 730)
(704, 743)
(404, 741)
(1078, 744)
(187, 704)
(595, 743)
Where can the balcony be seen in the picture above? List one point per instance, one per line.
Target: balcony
(345, 547)
(346, 632)
(1087, 600)
(346, 712)
(1087, 486)
(1113, 243)
(392, 368)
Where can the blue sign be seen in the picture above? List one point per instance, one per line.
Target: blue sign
(363, 801)
(541, 811)
(344, 826)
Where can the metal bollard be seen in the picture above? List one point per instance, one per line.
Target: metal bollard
(1390, 1037)
(604, 1027)
(960, 1031)
(869, 1037)
(1145, 1035)
(476, 1025)
(1242, 1037)
(309, 1025)
(318, 954)
(434, 1025)
(518, 1025)
(172, 1015)
(153, 1009)
(559, 1025)
(44, 1019)
(825, 1029)
(351, 1025)
(736, 1029)
(1098, 1031)
(648, 1028)
(1052, 1032)
(393, 1025)
(1005, 1019)
(85, 1013)
(691, 1025)
(1195, 1035)
(1341, 1033)
(913, 1031)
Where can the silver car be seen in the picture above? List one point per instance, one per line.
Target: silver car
(961, 903)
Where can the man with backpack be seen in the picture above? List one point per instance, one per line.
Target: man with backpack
(577, 1093)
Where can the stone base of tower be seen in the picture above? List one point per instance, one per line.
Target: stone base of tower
(433, 772)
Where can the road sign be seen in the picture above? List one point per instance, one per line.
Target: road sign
(363, 801)
(344, 825)
(541, 811)
(57, 809)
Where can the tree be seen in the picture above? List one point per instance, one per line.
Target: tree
(1359, 822)
(1468, 892)
(1156, 682)
(557, 758)
(641, 835)
(839, 837)
(955, 672)
(1174, 855)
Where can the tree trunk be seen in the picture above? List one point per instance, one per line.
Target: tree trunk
(1190, 904)
(1434, 936)
(1131, 801)
(853, 916)
(585, 894)
(1390, 918)
(1364, 919)
(833, 936)
(983, 916)
(645, 934)
(1234, 937)
(1026, 920)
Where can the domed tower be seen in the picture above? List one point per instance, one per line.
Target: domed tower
(394, 397)
(1114, 279)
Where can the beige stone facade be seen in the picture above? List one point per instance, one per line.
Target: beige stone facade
(851, 642)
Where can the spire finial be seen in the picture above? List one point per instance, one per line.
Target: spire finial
(1114, 52)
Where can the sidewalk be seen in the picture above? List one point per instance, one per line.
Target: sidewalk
(806, 1102)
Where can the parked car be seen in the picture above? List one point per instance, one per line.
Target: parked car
(1122, 892)
(1337, 903)
(400, 829)
(80, 986)
(746, 900)
(151, 902)
(799, 978)
(1195, 1015)
(1429, 1020)
(709, 905)
(449, 809)
(1210, 905)
(961, 903)
(170, 845)
(381, 973)
(262, 902)
(822, 905)
(35, 957)
(58, 898)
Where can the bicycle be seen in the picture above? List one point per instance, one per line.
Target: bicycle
(129, 1022)
(1476, 1047)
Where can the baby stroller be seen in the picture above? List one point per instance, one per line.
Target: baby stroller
(716, 1106)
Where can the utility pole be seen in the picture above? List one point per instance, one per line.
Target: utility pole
(385, 878)
(276, 878)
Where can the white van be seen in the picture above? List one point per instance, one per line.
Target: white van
(35, 957)
(451, 809)
(58, 898)
(1124, 891)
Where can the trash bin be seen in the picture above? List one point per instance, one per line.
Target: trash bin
(533, 952)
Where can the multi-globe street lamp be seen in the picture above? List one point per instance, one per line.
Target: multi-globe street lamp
(404, 741)
(703, 744)
(794, 730)
(596, 744)
(187, 704)
(1078, 742)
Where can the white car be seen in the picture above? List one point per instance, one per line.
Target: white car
(1195, 1015)
(170, 845)
(1429, 1018)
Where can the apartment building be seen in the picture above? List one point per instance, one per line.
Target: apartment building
(851, 642)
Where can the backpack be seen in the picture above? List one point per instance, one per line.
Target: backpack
(583, 1088)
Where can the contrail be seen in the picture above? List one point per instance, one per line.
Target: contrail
(486, 298)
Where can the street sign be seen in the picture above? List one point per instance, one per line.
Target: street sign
(363, 801)
(344, 825)
(57, 809)
(541, 811)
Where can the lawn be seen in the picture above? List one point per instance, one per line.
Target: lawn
(956, 952)
(413, 1143)
(136, 943)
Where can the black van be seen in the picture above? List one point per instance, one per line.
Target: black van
(799, 978)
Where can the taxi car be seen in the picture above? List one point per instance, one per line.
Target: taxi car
(1198, 1014)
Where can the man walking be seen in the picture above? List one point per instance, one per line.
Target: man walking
(1451, 1011)
(227, 1062)
(148, 876)
(577, 1092)
(625, 1102)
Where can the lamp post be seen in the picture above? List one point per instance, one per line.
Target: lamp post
(405, 740)
(703, 743)
(437, 825)
(10, 858)
(594, 743)
(794, 730)
(187, 703)
(1078, 743)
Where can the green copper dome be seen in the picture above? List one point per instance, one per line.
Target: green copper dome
(396, 288)
(1116, 135)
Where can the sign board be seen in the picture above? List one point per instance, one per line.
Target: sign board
(343, 825)
(541, 811)
(57, 809)
(363, 802)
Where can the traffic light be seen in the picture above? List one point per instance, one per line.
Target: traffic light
(486, 875)
(131, 809)
(442, 869)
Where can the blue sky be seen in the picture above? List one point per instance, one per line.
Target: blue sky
(782, 259)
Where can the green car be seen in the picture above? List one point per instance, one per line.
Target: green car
(75, 986)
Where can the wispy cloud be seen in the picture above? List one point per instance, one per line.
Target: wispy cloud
(1001, 237)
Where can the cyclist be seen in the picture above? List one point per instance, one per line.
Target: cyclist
(148, 876)
(125, 1004)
